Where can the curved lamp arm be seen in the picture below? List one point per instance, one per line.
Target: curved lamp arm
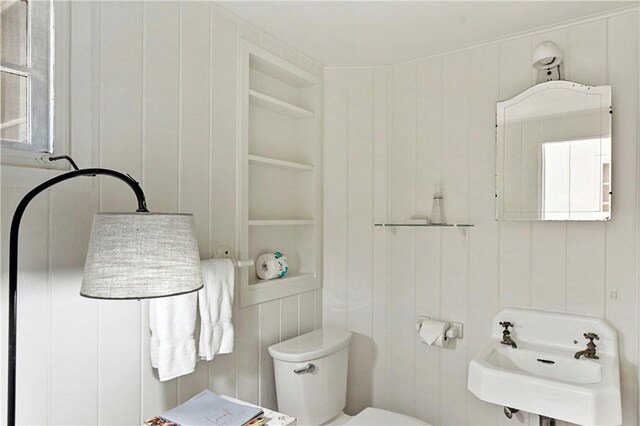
(13, 261)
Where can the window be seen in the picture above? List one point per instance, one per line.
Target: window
(26, 75)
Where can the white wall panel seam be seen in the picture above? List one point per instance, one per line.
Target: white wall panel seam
(637, 381)
(298, 312)
(348, 200)
(49, 305)
(637, 226)
(415, 230)
(100, 195)
(498, 228)
(210, 174)
(440, 282)
(467, 236)
(373, 196)
(143, 169)
(259, 353)
(608, 82)
(210, 367)
(179, 159)
(279, 320)
(389, 130)
(415, 237)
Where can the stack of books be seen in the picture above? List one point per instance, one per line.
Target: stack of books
(207, 408)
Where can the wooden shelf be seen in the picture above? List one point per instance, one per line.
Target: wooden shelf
(445, 225)
(280, 112)
(276, 105)
(286, 279)
(281, 70)
(286, 222)
(256, 159)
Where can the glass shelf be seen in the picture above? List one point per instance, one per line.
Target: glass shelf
(449, 225)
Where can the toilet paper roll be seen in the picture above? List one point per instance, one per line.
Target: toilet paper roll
(271, 265)
(432, 332)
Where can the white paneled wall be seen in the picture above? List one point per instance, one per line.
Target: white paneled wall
(153, 94)
(391, 134)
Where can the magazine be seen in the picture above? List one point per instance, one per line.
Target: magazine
(207, 408)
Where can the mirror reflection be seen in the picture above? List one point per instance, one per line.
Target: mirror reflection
(554, 153)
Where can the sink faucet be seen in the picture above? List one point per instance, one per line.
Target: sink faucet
(590, 352)
(506, 334)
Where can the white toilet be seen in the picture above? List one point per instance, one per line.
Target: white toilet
(311, 381)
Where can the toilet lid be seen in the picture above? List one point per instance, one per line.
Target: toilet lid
(374, 416)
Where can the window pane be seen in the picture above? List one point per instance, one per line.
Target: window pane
(13, 31)
(13, 107)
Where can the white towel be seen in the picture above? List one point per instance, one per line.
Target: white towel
(172, 321)
(215, 301)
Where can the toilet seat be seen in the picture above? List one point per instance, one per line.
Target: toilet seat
(374, 416)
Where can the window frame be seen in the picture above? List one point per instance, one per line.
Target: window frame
(39, 71)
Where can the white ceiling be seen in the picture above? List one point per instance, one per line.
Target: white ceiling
(343, 33)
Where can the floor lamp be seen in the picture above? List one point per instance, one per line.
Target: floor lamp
(137, 255)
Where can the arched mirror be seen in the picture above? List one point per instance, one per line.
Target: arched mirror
(553, 153)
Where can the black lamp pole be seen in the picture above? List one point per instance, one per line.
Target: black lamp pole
(13, 261)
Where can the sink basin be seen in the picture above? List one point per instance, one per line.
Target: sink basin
(542, 376)
(536, 362)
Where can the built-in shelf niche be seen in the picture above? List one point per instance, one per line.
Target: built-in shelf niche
(280, 177)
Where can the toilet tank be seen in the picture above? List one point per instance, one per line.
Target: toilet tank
(311, 375)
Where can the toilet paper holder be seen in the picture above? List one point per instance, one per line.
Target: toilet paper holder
(454, 330)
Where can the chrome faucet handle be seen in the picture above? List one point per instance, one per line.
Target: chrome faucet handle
(591, 336)
(506, 325)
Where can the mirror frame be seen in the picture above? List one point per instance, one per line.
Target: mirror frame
(603, 91)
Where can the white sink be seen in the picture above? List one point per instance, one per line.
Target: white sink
(542, 376)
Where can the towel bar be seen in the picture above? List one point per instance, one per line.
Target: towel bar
(224, 252)
(243, 263)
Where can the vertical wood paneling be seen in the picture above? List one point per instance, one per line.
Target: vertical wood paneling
(161, 105)
(33, 343)
(380, 290)
(160, 172)
(71, 217)
(222, 169)
(269, 335)
(514, 237)
(453, 305)
(288, 317)
(334, 158)
(194, 117)
(153, 94)
(483, 239)
(620, 247)
(586, 241)
(120, 148)
(548, 266)
(317, 312)
(549, 240)
(306, 311)
(428, 265)
(588, 45)
(402, 250)
(438, 272)
(248, 354)
(193, 151)
(360, 237)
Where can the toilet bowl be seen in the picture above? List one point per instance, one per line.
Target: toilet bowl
(311, 381)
